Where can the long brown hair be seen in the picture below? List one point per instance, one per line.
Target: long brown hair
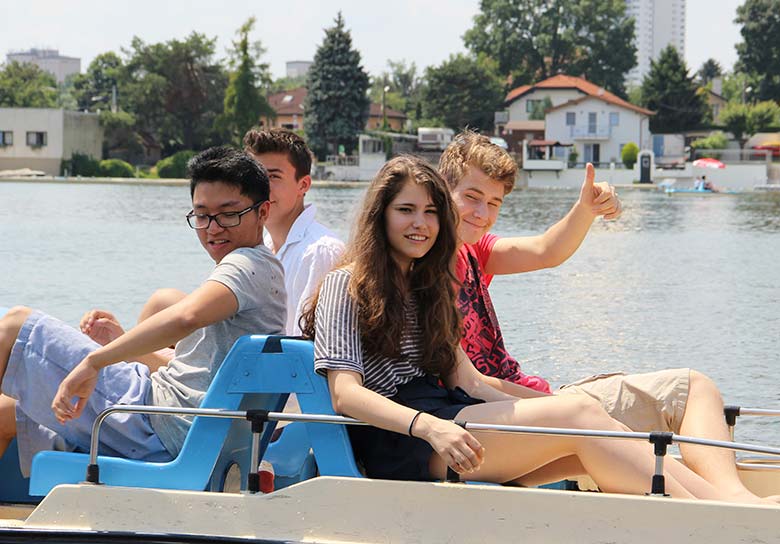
(377, 284)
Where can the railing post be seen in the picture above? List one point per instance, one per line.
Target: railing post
(731, 413)
(660, 441)
(258, 418)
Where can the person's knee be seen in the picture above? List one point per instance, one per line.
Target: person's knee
(13, 320)
(160, 300)
(586, 412)
(701, 384)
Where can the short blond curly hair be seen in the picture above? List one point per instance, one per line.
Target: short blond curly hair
(471, 149)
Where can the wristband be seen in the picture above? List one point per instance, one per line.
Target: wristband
(411, 423)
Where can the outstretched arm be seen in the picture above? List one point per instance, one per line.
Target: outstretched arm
(456, 446)
(527, 253)
(210, 303)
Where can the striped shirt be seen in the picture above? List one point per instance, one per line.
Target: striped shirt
(338, 345)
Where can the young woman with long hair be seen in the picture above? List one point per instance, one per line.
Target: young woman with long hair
(386, 334)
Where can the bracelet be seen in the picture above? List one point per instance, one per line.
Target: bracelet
(411, 423)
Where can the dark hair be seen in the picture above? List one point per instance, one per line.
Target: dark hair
(231, 167)
(280, 140)
(377, 284)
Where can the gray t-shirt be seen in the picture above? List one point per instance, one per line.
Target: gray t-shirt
(256, 278)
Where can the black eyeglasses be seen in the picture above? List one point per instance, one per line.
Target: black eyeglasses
(225, 220)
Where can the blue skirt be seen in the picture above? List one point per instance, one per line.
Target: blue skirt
(394, 456)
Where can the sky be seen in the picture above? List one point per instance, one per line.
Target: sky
(426, 32)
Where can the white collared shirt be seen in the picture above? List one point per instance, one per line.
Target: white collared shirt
(310, 251)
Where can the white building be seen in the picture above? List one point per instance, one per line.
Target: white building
(658, 23)
(41, 138)
(598, 127)
(583, 116)
(48, 60)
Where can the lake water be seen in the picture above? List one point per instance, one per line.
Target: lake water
(681, 281)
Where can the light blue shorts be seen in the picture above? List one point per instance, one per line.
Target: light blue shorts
(45, 351)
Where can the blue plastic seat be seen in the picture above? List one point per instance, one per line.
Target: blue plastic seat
(258, 373)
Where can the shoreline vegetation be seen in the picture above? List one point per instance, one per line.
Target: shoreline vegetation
(144, 181)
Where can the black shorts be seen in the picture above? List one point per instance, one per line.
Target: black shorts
(394, 456)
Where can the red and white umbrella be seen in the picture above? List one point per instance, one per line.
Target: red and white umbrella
(708, 163)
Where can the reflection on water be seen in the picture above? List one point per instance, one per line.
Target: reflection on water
(682, 280)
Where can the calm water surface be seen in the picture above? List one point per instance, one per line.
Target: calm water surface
(686, 280)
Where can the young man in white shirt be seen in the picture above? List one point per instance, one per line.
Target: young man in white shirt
(307, 249)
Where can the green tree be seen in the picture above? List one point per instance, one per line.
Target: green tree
(535, 39)
(629, 154)
(709, 71)
(286, 84)
(540, 109)
(244, 103)
(744, 120)
(116, 168)
(24, 85)
(404, 87)
(669, 91)
(174, 166)
(336, 104)
(95, 88)
(759, 52)
(716, 140)
(463, 92)
(175, 90)
(739, 87)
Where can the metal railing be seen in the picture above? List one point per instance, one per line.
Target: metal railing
(259, 418)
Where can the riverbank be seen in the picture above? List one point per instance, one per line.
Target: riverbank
(163, 182)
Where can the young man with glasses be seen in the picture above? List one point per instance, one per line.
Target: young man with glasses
(307, 249)
(45, 365)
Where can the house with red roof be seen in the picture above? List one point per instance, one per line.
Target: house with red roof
(289, 109)
(594, 121)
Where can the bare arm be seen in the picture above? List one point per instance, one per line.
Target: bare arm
(559, 242)
(210, 303)
(487, 388)
(456, 446)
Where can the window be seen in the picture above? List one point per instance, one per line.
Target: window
(614, 119)
(571, 119)
(6, 138)
(36, 139)
(532, 105)
(591, 123)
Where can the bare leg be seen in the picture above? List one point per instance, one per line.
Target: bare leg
(704, 418)
(10, 324)
(616, 466)
(160, 300)
(560, 469)
(7, 422)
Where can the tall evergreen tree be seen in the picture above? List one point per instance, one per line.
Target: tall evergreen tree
(536, 39)
(709, 71)
(336, 104)
(244, 103)
(669, 91)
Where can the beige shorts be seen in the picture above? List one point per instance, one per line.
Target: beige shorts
(654, 401)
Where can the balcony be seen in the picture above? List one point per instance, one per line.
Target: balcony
(590, 132)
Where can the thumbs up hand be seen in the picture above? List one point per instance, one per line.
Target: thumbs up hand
(600, 197)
